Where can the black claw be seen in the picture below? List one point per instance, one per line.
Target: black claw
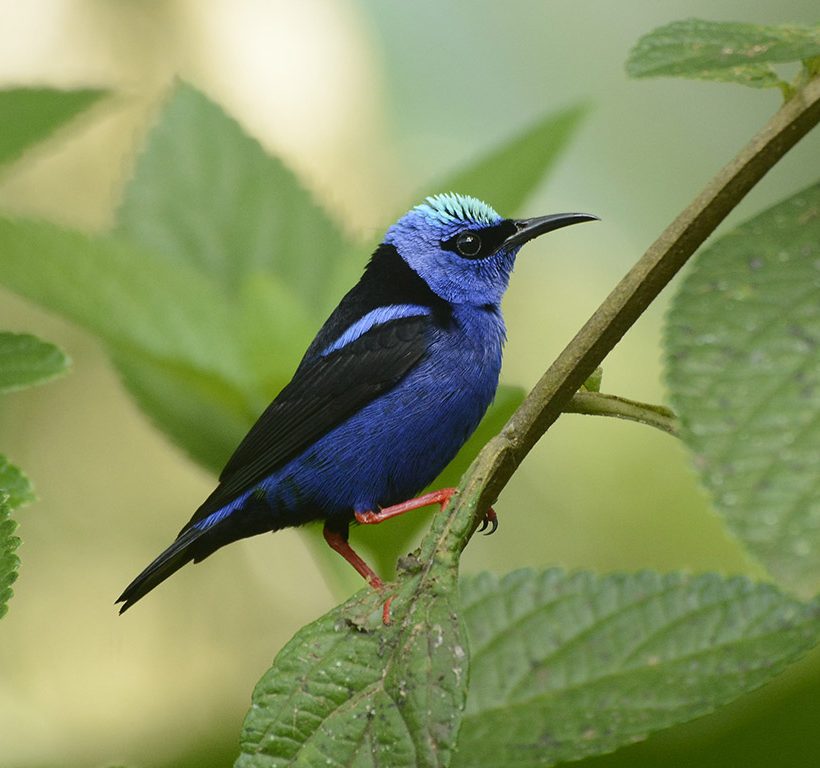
(483, 525)
(494, 528)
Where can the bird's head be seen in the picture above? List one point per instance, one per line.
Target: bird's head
(463, 249)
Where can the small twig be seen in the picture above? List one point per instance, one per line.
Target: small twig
(600, 404)
(499, 459)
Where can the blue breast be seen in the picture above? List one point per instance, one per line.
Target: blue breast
(397, 444)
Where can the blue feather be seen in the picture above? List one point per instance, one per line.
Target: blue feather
(377, 316)
(450, 207)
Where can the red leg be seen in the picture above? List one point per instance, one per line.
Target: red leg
(434, 497)
(441, 497)
(339, 543)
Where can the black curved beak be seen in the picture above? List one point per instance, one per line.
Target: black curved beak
(527, 229)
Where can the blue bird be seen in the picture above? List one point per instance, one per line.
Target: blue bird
(392, 386)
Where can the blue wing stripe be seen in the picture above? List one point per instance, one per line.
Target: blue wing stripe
(375, 317)
(222, 513)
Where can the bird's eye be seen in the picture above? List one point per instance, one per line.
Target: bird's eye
(468, 244)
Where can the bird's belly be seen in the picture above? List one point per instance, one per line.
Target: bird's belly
(397, 444)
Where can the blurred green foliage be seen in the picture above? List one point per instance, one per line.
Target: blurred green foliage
(25, 360)
(28, 115)
(191, 290)
(512, 172)
(15, 490)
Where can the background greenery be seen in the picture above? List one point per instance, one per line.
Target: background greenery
(370, 101)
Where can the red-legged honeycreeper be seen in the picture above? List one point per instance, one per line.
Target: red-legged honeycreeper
(392, 386)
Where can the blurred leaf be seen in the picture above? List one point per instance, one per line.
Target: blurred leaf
(564, 666)
(25, 361)
(726, 51)
(174, 334)
(15, 490)
(206, 196)
(14, 484)
(202, 412)
(387, 542)
(347, 690)
(743, 368)
(9, 562)
(29, 115)
(205, 413)
(277, 327)
(126, 295)
(507, 175)
(752, 75)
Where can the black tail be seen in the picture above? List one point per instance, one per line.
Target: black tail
(196, 544)
(182, 551)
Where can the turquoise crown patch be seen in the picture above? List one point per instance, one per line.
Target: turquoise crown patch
(450, 207)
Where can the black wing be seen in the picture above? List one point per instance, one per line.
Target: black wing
(323, 392)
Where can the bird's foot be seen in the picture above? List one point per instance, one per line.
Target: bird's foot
(491, 519)
(338, 541)
(368, 517)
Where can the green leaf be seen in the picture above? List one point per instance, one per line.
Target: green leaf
(743, 369)
(29, 115)
(726, 51)
(15, 490)
(14, 484)
(751, 75)
(176, 336)
(276, 328)
(25, 361)
(593, 383)
(209, 413)
(200, 411)
(564, 666)
(207, 298)
(127, 296)
(205, 195)
(508, 174)
(347, 690)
